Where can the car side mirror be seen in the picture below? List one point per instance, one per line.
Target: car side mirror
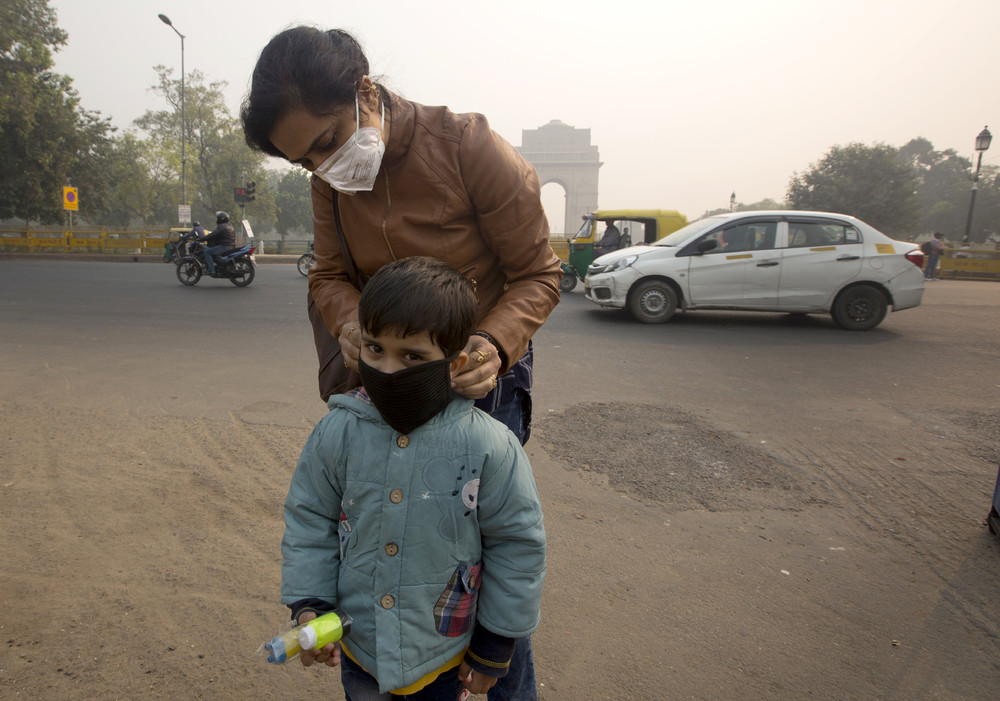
(707, 245)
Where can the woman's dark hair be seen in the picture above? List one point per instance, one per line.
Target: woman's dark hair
(302, 67)
(419, 294)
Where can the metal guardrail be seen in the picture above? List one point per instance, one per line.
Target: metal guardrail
(969, 264)
(137, 242)
(955, 264)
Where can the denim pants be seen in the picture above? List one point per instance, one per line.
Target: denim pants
(212, 251)
(361, 686)
(518, 685)
(932, 264)
(512, 407)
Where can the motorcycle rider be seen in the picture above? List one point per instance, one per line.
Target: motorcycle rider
(197, 233)
(222, 239)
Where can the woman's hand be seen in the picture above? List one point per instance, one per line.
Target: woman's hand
(350, 343)
(479, 375)
(329, 654)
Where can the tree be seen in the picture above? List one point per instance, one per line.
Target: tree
(873, 183)
(293, 201)
(138, 178)
(218, 158)
(944, 184)
(47, 140)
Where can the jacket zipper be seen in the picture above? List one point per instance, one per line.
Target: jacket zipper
(385, 217)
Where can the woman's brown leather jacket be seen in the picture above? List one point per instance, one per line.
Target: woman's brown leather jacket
(450, 188)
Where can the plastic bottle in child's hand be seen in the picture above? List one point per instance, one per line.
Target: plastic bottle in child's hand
(289, 644)
(323, 630)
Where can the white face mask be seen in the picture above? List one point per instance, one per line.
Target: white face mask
(353, 167)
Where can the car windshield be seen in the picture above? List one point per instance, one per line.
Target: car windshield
(681, 235)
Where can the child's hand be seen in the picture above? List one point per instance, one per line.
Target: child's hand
(475, 682)
(329, 654)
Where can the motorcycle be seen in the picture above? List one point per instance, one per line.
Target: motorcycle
(237, 265)
(307, 261)
(176, 249)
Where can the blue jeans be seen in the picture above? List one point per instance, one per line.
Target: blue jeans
(361, 686)
(212, 251)
(932, 264)
(510, 401)
(518, 685)
(510, 404)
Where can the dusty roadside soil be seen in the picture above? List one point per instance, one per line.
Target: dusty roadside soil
(140, 559)
(774, 552)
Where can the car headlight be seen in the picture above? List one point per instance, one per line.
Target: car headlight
(621, 264)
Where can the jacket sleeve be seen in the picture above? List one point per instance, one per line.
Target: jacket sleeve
(513, 537)
(330, 285)
(506, 195)
(310, 548)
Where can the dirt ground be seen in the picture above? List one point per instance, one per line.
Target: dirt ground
(140, 556)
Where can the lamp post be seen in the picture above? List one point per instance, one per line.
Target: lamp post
(982, 143)
(166, 21)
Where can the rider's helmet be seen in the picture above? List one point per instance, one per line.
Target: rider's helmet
(221, 217)
(197, 223)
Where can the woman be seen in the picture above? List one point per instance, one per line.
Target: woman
(406, 180)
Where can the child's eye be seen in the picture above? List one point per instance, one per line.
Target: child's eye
(413, 357)
(374, 349)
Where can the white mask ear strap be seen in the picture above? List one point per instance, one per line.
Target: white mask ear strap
(357, 108)
(357, 115)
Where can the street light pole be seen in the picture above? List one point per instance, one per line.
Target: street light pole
(982, 143)
(166, 21)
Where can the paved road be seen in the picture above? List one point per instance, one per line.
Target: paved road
(855, 565)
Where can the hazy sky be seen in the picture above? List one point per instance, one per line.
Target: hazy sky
(687, 102)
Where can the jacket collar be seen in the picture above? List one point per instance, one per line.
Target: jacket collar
(359, 404)
(402, 122)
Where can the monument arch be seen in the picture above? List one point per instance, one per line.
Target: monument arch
(563, 154)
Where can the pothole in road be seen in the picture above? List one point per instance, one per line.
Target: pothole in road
(669, 456)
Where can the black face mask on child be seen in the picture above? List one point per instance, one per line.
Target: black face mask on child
(409, 398)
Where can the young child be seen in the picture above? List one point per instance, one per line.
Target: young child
(413, 511)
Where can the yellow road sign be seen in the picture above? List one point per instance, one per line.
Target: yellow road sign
(71, 198)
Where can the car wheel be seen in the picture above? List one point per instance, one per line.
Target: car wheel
(653, 302)
(568, 282)
(859, 308)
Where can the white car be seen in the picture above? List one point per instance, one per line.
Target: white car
(773, 261)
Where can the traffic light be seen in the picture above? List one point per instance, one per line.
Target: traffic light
(251, 189)
(240, 195)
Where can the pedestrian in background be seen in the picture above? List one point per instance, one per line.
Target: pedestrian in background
(935, 251)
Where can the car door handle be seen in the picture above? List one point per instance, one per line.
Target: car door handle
(849, 258)
(767, 264)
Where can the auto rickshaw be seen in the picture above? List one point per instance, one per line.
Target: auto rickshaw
(628, 226)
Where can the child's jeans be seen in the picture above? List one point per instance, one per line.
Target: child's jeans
(518, 685)
(361, 686)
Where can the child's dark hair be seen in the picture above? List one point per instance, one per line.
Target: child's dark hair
(420, 294)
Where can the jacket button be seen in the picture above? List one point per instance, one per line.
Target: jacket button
(396, 496)
(388, 602)
(391, 549)
(402, 441)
